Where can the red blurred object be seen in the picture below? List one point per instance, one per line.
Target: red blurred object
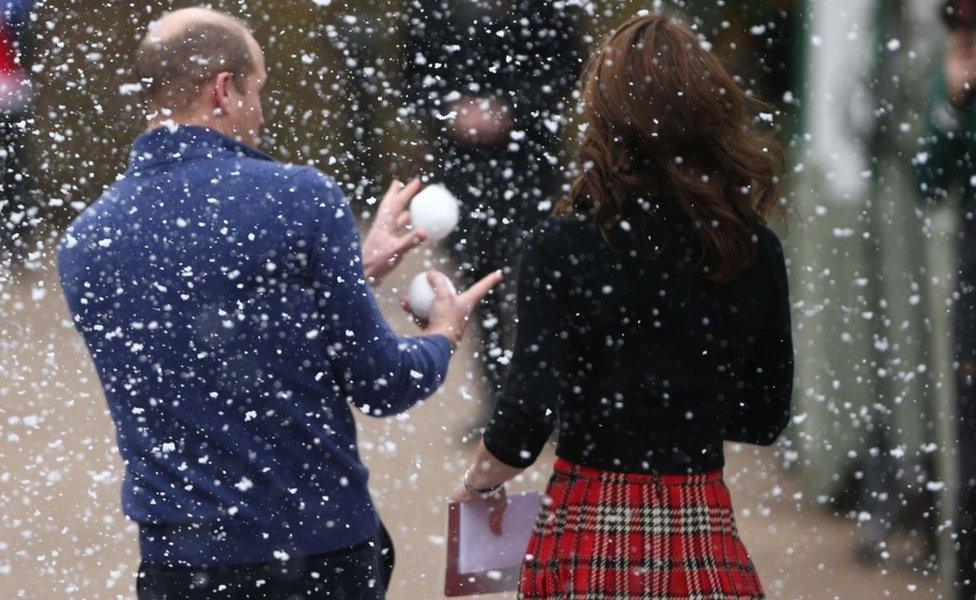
(8, 51)
(13, 83)
(960, 14)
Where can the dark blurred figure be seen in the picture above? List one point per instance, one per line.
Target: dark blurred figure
(15, 45)
(777, 48)
(489, 80)
(363, 83)
(758, 39)
(945, 162)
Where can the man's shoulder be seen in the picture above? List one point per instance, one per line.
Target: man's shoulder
(275, 173)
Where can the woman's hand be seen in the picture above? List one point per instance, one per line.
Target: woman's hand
(497, 502)
(383, 247)
(487, 473)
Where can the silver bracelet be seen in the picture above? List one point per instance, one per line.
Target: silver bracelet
(486, 493)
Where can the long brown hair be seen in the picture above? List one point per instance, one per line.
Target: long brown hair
(665, 123)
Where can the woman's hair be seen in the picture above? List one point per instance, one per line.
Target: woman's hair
(665, 125)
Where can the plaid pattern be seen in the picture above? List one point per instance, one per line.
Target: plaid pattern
(603, 535)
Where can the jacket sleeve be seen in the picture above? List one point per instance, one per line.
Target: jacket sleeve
(378, 371)
(763, 411)
(942, 156)
(526, 408)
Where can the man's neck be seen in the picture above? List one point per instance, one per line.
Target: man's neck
(159, 120)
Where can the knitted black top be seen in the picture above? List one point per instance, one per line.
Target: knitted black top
(643, 363)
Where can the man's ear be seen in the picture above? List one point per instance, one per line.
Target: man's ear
(220, 101)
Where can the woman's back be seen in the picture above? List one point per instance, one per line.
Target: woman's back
(653, 324)
(647, 365)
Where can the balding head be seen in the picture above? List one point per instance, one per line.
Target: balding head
(187, 48)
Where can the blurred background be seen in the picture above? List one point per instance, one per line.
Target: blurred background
(857, 502)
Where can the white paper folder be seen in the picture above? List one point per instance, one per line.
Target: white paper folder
(480, 562)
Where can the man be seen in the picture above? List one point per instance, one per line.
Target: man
(225, 304)
(944, 162)
(489, 79)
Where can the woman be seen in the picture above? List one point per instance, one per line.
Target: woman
(654, 323)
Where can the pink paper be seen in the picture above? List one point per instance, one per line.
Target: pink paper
(481, 550)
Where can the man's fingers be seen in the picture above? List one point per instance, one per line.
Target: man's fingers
(395, 185)
(438, 281)
(395, 201)
(476, 292)
(409, 241)
(399, 200)
(391, 192)
(402, 220)
(422, 323)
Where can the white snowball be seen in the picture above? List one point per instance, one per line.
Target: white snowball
(420, 294)
(435, 210)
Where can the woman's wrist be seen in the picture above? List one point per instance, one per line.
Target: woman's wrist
(479, 481)
(480, 488)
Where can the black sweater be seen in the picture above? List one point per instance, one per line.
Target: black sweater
(645, 365)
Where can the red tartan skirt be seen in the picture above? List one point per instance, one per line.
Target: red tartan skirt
(605, 535)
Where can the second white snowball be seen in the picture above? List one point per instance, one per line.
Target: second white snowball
(420, 294)
(435, 210)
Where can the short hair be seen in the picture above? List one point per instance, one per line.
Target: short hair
(173, 68)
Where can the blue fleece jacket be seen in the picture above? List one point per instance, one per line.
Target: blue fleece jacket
(222, 298)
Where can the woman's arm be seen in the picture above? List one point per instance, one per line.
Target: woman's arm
(525, 410)
(767, 378)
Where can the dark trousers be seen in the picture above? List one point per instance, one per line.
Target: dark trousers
(966, 517)
(965, 355)
(359, 573)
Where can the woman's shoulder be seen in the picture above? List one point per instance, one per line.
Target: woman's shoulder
(565, 224)
(770, 262)
(565, 232)
(769, 244)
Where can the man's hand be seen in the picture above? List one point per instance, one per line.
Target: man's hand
(384, 248)
(481, 120)
(960, 68)
(450, 311)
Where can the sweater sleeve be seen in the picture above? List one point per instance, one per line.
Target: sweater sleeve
(767, 381)
(942, 156)
(378, 371)
(525, 409)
